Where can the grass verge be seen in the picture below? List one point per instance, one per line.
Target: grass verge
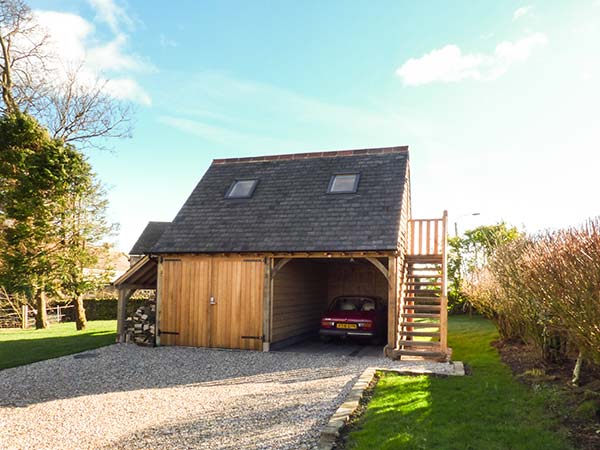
(18, 347)
(488, 410)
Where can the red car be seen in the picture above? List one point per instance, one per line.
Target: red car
(355, 316)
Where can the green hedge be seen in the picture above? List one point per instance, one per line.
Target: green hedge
(105, 309)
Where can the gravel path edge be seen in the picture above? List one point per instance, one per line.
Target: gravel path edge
(331, 431)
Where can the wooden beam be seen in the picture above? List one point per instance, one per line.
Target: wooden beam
(124, 295)
(148, 286)
(279, 266)
(380, 267)
(322, 255)
(132, 271)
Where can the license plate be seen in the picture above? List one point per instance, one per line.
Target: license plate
(346, 325)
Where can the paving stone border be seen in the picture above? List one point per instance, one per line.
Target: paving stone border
(331, 431)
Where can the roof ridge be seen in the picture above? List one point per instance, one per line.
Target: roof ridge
(324, 154)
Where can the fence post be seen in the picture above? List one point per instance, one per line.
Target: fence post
(25, 316)
(57, 313)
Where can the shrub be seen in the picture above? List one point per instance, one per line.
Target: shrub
(545, 288)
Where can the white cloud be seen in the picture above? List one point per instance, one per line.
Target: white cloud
(128, 89)
(520, 50)
(74, 42)
(112, 14)
(113, 57)
(445, 64)
(450, 64)
(67, 33)
(522, 11)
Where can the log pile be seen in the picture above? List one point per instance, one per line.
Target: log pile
(141, 327)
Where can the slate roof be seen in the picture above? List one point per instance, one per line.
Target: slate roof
(290, 209)
(149, 238)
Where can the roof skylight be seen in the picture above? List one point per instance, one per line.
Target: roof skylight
(343, 183)
(241, 189)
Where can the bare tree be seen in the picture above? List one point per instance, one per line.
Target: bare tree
(81, 112)
(69, 105)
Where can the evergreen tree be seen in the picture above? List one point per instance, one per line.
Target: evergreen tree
(53, 216)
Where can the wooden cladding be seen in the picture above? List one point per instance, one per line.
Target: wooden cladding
(299, 298)
(211, 302)
(427, 236)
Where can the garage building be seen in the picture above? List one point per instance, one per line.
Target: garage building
(264, 244)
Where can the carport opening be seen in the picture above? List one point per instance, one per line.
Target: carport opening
(304, 288)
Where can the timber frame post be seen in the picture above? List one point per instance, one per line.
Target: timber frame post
(158, 297)
(270, 272)
(444, 293)
(392, 304)
(125, 294)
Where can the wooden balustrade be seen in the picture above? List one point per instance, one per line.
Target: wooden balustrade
(427, 236)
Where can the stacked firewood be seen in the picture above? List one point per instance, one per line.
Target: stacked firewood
(141, 327)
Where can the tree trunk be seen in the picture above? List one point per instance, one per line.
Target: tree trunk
(80, 319)
(41, 318)
(577, 370)
(6, 79)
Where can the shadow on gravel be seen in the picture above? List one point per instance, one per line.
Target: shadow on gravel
(122, 368)
(263, 421)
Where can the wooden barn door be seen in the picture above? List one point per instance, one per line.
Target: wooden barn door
(170, 299)
(184, 307)
(211, 302)
(237, 303)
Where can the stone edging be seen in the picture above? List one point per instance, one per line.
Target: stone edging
(331, 431)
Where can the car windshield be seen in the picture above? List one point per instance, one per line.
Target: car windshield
(354, 304)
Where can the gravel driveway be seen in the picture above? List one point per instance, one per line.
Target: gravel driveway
(125, 396)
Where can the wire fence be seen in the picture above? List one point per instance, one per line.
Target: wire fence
(9, 318)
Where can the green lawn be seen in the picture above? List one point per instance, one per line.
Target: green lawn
(18, 347)
(489, 410)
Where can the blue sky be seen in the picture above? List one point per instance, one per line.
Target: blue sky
(498, 100)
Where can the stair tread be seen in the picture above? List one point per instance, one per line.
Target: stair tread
(419, 343)
(424, 283)
(423, 307)
(423, 275)
(421, 333)
(420, 324)
(423, 353)
(423, 291)
(421, 315)
(421, 300)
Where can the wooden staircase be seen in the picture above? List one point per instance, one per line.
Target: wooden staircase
(423, 314)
